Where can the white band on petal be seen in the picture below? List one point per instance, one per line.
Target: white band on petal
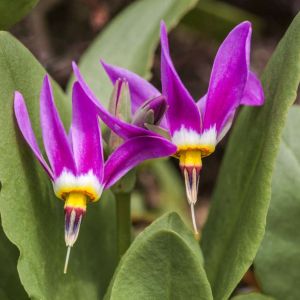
(87, 183)
(188, 137)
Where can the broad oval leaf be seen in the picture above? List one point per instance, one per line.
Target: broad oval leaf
(32, 217)
(130, 41)
(13, 11)
(236, 222)
(164, 262)
(277, 263)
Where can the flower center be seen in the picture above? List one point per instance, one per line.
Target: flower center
(191, 150)
(75, 208)
(190, 162)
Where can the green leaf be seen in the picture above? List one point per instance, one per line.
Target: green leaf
(10, 285)
(164, 262)
(32, 217)
(214, 19)
(236, 223)
(13, 11)
(130, 41)
(252, 296)
(278, 261)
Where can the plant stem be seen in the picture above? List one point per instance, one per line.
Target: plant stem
(123, 222)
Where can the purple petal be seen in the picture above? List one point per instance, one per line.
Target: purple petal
(140, 89)
(133, 152)
(228, 77)
(86, 134)
(24, 124)
(182, 108)
(54, 136)
(123, 129)
(253, 93)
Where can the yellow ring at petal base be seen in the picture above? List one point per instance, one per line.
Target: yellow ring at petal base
(76, 200)
(85, 190)
(204, 150)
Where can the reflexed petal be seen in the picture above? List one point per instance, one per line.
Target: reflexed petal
(86, 134)
(54, 136)
(140, 89)
(228, 77)
(133, 152)
(253, 93)
(123, 129)
(182, 108)
(24, 124)
(253, 96)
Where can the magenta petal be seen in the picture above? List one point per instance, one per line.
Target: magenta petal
(182, 108)
(54, 136)
(24, 124)
(123, 129)
(133, 152)
(253, 93)
(86, 134)
(228, 77)
(140, 89)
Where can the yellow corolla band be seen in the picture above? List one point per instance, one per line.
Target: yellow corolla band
(76, 200)
(205, 150)
(190, 158)
(87, 191)
(191, 154)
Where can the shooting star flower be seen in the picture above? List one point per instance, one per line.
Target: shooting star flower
(196, 127)
(77, 168)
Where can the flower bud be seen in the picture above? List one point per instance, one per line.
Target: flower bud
(151, 112)
(119, 106)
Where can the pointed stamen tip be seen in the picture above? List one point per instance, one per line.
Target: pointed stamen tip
(67, 259)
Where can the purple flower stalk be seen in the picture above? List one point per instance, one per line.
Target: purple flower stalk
(77, 168)
(195, 127)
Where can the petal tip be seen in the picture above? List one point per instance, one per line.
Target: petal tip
(46, 82)
(163, 30)
(102, 62)
(18, 96)
(18, 102)
(163, 25)
(107, 67)
(76, 70)
(245, 26)
(74, 65)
